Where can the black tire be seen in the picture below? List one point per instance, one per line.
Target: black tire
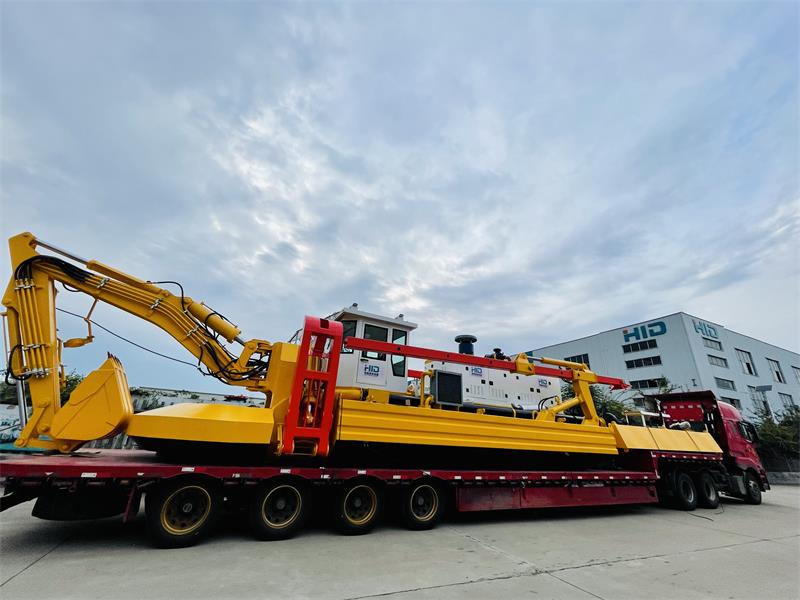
(683, 491)
(181, 511)
(278, 510)
(358, 507)
(752, 488)
(422, 505)
(707, 493)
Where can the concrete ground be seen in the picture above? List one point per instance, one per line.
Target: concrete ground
(735, 551)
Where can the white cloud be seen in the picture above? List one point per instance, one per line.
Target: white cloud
(527, 173)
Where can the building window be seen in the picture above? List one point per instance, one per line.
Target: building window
(646, 384)
(713, 344)
(759, 398)
(718, 361)
(746, 360)
(399, 362)
(579, 358)
(725, 384)
(775, 368)
(348, 330)
(638, 346)
(647, 361)
(796, 373)
(786, 399)
(733, 401)
(373, 332)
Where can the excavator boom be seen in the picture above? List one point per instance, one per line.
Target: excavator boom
(101, 406)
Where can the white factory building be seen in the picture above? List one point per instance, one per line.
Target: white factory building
(693, 354)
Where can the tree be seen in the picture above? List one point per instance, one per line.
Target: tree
(144, 400)
(665, 386)
(604, 400)
(639, 399)
(8, 392)
(779, 434)
(71, 381)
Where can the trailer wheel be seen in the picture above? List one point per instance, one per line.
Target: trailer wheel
(684, 492)
(358, 507)
(752, 488)
(278, 510)
(181, 511)
(422, 505)
(707, 494)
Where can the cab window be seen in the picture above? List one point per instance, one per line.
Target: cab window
(399, 362)
(748, 431)
(348, 330)
(373, 332)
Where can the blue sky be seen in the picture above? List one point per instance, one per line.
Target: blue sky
(526, 172)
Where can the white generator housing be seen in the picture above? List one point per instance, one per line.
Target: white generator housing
(481, 386)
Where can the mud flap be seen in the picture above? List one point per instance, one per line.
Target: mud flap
(737, 485)
(86, 503)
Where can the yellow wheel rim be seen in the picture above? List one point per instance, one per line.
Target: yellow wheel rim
(360, 504)
(186, 510)
(424, 502)
(281, 506)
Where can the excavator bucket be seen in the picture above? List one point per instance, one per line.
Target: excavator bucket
(99, 407)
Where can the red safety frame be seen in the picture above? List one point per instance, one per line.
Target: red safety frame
(310, 414)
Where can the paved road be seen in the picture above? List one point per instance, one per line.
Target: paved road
(735, 551)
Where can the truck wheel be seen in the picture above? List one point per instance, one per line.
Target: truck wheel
(707, 494)
(180, 512)
(684, 492)
(358, 507)
(278, 510)
(752, 488)
(422, 505)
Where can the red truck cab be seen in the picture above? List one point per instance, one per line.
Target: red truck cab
(737, 438)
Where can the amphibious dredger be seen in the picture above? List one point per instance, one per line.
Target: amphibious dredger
(337, 395)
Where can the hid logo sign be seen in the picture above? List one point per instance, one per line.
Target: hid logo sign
(643, 332)
(544, 382)
(477, 371)
(705, 329)
(372, 370)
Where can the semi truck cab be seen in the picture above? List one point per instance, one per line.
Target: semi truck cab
(736, 437)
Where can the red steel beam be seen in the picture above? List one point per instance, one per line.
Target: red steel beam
(355, 343)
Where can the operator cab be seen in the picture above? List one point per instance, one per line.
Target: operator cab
(362, 368)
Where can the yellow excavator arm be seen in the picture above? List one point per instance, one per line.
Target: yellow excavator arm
(100, 406)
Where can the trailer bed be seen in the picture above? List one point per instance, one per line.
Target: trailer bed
(474, 489)
(134, 464)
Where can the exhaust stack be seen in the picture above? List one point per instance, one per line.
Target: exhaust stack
(466, 343)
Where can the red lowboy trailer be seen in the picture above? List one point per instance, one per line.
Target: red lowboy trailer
(104, 483)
